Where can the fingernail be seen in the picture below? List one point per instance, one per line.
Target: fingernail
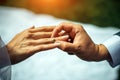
(32, 27)
(66, 36)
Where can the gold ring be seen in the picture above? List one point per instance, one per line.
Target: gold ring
(53, 40)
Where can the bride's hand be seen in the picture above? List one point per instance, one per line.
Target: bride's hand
(30, 41)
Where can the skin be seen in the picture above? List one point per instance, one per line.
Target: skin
(30, 41)
(79, 43)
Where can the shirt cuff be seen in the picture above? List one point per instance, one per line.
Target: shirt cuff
(113, 46)
(5, 64)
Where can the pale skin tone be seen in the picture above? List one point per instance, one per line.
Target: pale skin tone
(79, 43)
(30, 41)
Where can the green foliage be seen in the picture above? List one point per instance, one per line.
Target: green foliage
(99, 12)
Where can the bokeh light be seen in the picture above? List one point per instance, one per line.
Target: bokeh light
(98, 12)
(49, 6)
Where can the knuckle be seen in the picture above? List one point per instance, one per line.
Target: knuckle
(78, 47)
(17, 34)
(64, 47)
(81, 28)
(62, 23)
(28, 51)
(29, 42)
(29, 35)
(65, 23)
(41, 48)
(47, 40)
(43, 28)
(27, 30)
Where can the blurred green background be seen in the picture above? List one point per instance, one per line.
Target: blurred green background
(103, 13)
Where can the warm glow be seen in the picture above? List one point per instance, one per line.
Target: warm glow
(49, 1)
(77, 10)
(49, 6)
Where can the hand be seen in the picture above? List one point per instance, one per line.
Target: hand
(30, 41)
(80, 43)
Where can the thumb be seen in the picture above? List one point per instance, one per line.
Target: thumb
(66, 46)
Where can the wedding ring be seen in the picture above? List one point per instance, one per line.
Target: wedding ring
(53, 40)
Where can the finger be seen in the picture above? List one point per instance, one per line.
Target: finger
(41, 41)
(28, 29)
(43, 29)
(39, 35)
(62, 33)
(66, 46)
(62, 38)
(44, 47)
(66, 26)
(48, 40)
(32, 27)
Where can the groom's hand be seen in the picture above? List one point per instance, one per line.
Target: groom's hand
(79, 43)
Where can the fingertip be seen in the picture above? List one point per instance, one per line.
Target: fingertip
(66, 36)
(65, 23)
(63, 38)
(32, 27)
(57, 44)
(54, 34)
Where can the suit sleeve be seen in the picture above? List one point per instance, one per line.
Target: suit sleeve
(5, 64)
(113, 46)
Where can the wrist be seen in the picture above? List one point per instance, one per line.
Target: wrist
(103, 52)
(9, 53)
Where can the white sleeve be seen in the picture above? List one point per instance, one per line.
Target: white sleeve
(5, 64)
(113, 46)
